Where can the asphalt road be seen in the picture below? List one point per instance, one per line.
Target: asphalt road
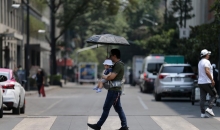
(71, 107)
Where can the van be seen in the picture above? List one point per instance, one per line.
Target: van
(150, 68)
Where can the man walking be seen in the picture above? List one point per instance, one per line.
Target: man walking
(114, 93)
(7, 56)
(206, 83)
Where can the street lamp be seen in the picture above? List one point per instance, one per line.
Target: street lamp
(146, 19)
(41, 31)
(16, 6)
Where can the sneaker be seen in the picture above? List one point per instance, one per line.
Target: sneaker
(210, 112)
(95, 88)
(99, 90)
(204, 116)
(94, 126)
(123, 128)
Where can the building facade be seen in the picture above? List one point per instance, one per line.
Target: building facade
(13, 34)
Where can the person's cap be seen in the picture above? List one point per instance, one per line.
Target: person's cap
(213, 65)
(108, 62)
(205, 52)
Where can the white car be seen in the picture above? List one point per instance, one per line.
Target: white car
(2, 79)
(174, 80)
(13, 92)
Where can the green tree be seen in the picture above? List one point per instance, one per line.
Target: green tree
(73, 10)
(181, 9)
(158, 44)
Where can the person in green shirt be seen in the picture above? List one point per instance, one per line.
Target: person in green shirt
(114, 93)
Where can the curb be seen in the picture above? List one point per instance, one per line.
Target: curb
(28, 93)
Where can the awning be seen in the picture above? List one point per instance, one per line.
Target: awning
(12, 35)
(61, 62)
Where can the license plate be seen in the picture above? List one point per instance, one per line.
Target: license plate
(177, 79)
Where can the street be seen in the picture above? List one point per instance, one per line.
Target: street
(71, 107)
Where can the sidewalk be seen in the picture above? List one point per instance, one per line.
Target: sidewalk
(32, 92)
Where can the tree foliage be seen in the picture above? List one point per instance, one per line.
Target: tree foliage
(181, 9)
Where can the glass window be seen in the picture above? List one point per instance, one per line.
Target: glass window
(177, 69)
(154, 67)
(5, 74)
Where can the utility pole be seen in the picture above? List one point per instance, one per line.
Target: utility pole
(27, 47)
(185, 13)
(66, 39)
(53, 65)
(165, 15)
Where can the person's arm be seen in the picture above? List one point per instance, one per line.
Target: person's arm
(109, 74)
(207, 71)
(110, 77)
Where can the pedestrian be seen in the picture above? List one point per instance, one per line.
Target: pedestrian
(206, 83)
(215, 75)
(7, 56)
(107, 72)
(39, 80)
(114, 93)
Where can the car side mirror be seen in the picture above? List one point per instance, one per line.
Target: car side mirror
(3, 78)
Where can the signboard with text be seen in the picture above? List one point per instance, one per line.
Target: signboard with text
(87, 72)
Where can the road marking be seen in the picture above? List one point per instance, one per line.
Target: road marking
(112, 122)
(217, 118)
(35, 123)
(142, 103)
(173, 123)
(49, 107)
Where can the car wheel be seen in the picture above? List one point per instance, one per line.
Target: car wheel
(16, 110)
(1, 110)
(157, 97)
(146, 88)
(22, 110)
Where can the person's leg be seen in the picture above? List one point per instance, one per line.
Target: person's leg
(38, 88)
(110, 98)
(119, 110)
(203, 94)
(209, 90)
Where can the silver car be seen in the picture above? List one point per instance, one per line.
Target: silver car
(174, 80)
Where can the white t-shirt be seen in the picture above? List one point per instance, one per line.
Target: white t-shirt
(203, 78)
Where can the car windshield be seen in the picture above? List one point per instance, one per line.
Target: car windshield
(154, 67)
(177, 69)
(5, 74)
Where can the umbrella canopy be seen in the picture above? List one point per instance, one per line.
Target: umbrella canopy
(107, 39)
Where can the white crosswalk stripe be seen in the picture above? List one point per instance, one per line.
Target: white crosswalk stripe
(173, 123)
(36, 123)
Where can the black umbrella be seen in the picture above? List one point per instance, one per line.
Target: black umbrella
(107, 39)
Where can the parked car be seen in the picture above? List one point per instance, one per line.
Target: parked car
(2, 79)
(13, 92)
(150, 68)
(174, 80)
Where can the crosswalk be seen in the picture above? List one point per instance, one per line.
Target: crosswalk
(113, 123)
